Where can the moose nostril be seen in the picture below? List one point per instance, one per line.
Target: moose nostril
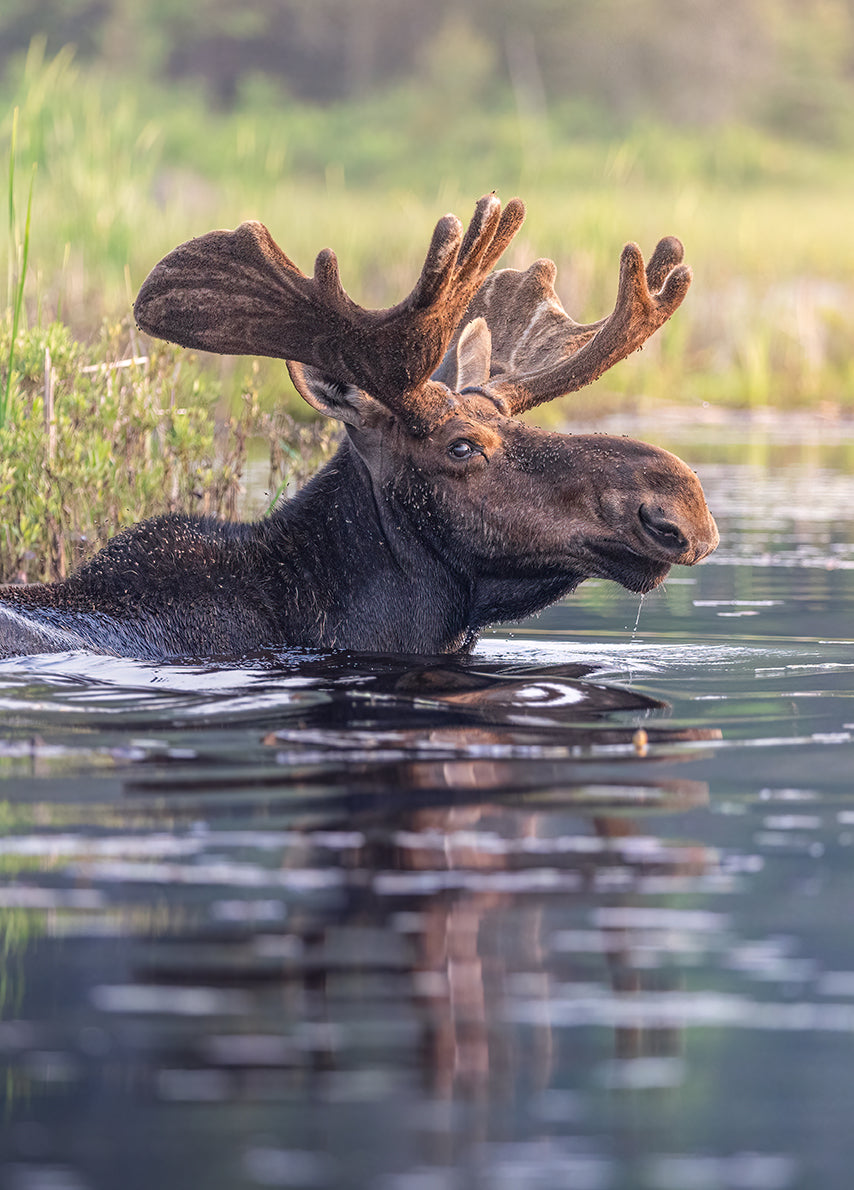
(661, 529)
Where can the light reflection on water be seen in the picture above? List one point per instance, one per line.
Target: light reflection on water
(574, 912)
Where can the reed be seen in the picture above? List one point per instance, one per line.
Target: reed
(19, 255)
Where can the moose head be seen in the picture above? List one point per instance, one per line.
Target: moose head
(442, 511)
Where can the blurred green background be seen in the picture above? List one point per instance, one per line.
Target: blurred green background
(355, 125)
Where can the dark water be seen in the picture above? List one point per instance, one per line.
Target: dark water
(576, 912)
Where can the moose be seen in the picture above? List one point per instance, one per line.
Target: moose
(441, 512)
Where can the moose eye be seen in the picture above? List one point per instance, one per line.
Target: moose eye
(461, 449)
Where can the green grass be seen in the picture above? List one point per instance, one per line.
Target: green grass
(19, 254)
(126, 436)
(127, 171)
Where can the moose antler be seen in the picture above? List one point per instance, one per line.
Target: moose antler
(539, 352)
(236, 293)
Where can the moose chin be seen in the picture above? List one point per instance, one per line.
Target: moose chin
(442, 512)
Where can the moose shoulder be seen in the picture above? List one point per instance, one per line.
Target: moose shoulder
(441, 512)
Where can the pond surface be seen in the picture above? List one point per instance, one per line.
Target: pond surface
(578, 911)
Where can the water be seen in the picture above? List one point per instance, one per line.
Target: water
(576, 912)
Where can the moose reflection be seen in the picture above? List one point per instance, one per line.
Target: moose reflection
(462, 846)
(442, 512)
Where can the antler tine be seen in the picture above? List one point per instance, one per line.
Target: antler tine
(556, 355)
(481, 252)
(236, 292)
(488, 234)
(439, 264)
(668, 253)
(327, 278)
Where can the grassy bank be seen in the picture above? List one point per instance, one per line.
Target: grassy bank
(103, 435)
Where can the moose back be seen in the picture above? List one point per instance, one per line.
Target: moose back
(442, 512)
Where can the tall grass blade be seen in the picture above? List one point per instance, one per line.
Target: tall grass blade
(13, 149)
(17, 295)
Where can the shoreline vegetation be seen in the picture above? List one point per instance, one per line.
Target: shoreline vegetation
(100, 427)
(100, 436)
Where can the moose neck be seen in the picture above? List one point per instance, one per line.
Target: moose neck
(380, 581)
(376, 585)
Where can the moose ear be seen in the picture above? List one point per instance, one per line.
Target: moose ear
(334, 398)
(474, 352)
(467, 363)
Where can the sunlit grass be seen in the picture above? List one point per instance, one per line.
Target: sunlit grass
(127, 436)
(126, 172)
(19, 254)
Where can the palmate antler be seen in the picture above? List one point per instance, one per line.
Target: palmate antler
(539, 353)
(237, 293)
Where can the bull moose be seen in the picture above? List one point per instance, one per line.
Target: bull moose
(441, 512)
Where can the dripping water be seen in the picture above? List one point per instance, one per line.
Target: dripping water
(637, 617)
(629, 673)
